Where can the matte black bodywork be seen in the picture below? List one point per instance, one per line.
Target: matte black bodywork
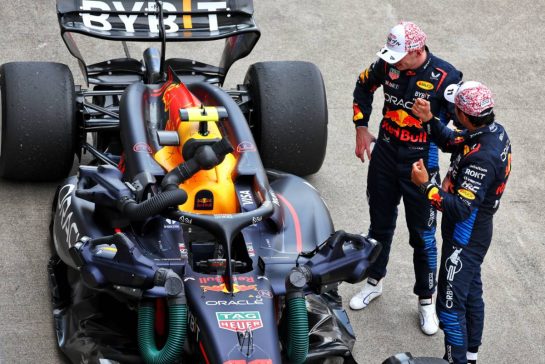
(84, 329)
(96, 320)
(300, 222)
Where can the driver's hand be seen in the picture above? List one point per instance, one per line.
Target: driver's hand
(364, 139)
(419, 174)
(421, 109)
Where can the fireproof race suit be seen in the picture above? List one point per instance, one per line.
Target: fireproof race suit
(402, 141)
(477, 176)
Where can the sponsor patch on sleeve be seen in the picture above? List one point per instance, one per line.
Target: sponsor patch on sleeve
(358, 115)
(364, 75)
(467, 194)
(435, 198)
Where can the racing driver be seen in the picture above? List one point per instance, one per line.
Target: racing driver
(475, 182)
(407, 70)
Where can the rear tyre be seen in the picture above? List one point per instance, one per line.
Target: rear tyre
(289, 115)
(38, 128)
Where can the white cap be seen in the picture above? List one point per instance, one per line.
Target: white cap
(472, 97)
(402, 39)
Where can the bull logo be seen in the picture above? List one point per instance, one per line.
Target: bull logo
(403, 119)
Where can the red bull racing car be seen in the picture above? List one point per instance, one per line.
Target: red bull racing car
(186, 235)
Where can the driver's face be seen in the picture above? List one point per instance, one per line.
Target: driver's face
(462, 118)
(408, 62)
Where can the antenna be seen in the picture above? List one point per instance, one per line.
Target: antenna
(163, 36)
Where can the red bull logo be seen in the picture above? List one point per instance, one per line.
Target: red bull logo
(219, 279)
(244, 288)
(204, 200)
(169, 95)
(221, 287)
(204, 203)
(403, 119)
(474, 149)
(215, 288)
(435, 198)
(404, 134)
(236, 288)
(458, 140)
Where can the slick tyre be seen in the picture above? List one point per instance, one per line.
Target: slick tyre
(289, 115)
(38, 128)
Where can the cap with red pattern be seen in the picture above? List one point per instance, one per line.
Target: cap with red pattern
(403, 38)
(471, 97)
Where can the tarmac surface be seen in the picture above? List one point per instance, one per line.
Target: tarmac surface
(496, 42)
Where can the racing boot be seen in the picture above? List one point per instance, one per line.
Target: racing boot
(429, 324)
(371, 290)
(472, 355)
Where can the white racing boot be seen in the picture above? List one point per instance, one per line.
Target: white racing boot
(429, 324)
(371, 290)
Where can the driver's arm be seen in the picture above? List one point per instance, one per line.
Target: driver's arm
(366, 85)
(463, 202)
(446, 138)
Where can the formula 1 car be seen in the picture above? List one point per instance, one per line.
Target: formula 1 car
(188, 236)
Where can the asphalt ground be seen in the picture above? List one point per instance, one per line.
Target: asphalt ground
(496, 42)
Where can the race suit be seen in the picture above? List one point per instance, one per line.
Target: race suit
(402, 141)
(477, 176)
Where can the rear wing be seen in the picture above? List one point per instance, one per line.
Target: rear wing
(184, 20)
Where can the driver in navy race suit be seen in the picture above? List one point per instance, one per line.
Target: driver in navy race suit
(470, 196)
(406, 70)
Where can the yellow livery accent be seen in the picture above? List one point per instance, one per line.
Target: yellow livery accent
(364, 75)
(208, 113)
(188, 22)
(358, 116)
(434, 190)
(208, 191)
(168, 157)
(218, 181)
(190, 130)
(109, 248)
